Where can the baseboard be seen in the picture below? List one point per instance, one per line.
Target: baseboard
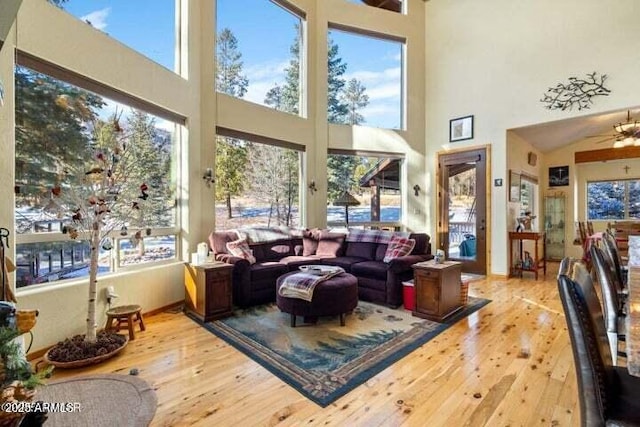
(36, 354)
(498, 277)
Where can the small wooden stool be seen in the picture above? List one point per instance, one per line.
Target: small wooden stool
(124, 314)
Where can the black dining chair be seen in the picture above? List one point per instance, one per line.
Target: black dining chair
(608, 395)
(612, 306)
(613, 256)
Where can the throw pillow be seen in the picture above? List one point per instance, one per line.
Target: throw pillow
(240, 249)
(310, 240)
(398, 246)
(330, 244)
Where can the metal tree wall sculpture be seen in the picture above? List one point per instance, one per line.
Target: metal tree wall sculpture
(577, 92)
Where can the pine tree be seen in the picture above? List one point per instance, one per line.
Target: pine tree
(231, 164)
(337, 110)
(229, 77)
(341, 174)
(355, 98)
(51, 132)
(274, 98)
(286, 97)
(231, 154)
(153, 166)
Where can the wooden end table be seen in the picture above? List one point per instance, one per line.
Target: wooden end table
(208, 290)
(437, 289)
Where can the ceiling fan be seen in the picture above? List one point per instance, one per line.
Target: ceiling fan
(626, 134)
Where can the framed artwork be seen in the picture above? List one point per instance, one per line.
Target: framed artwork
(461, 128)
(514, 186)
(558, 176)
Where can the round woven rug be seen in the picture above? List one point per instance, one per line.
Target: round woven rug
(100, 400)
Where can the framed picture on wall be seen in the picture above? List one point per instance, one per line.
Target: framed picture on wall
(461, 129)
(514, 186)
(558, 176)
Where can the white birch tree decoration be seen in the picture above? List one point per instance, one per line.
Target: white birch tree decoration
(108, 194)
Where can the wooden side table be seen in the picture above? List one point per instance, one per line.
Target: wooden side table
(437, 289)
(208, 290)
(538, 261)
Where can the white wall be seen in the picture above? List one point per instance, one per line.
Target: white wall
(496, 58)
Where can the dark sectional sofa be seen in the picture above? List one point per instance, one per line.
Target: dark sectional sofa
(378, 281)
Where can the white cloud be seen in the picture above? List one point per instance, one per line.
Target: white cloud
(262, 77)
(376, 77)
(384, 91)
(98, 18)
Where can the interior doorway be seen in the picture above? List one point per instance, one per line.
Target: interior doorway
(462, 208)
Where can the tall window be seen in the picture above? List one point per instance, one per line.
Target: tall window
(259, 57)
(364, 80)
(613, 200)
(257, 184)
(363, 189)
(148, 26)
(59, 131)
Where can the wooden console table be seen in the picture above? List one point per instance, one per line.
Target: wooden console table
(208, 290)
(437, 289)
(537, 262)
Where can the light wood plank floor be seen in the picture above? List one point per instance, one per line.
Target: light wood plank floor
(509, 364)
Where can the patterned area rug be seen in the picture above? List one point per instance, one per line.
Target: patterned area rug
(325, 361)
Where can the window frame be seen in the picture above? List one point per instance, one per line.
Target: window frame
(303, 98)
(361, 32)
(625, 200)
(402, 167)
(80, 81)
(223, 132)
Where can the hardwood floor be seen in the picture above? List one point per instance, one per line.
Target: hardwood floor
(509, 364)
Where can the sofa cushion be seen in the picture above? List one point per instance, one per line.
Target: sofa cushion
(310, 240)
(294, 261)
(267, 270)
(398, 246)
(272, 251)
(375, 269)
(240, 248)
(422, 243)
(218, 241)
(381, 251)
(361, 249)
(330, 245)
(344, 261)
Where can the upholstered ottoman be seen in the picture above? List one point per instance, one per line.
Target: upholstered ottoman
(335, 296)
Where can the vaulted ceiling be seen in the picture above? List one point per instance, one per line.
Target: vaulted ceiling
(550, 136)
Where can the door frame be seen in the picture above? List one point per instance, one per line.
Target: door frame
(439, 198)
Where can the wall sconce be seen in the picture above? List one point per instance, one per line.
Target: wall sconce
(208, 177)
(312, 187)
(416, 189)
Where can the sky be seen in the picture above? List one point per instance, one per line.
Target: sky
(265, 32)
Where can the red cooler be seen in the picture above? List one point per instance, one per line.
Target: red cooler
(409, 295)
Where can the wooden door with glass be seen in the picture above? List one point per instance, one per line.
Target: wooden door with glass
(462, 222)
